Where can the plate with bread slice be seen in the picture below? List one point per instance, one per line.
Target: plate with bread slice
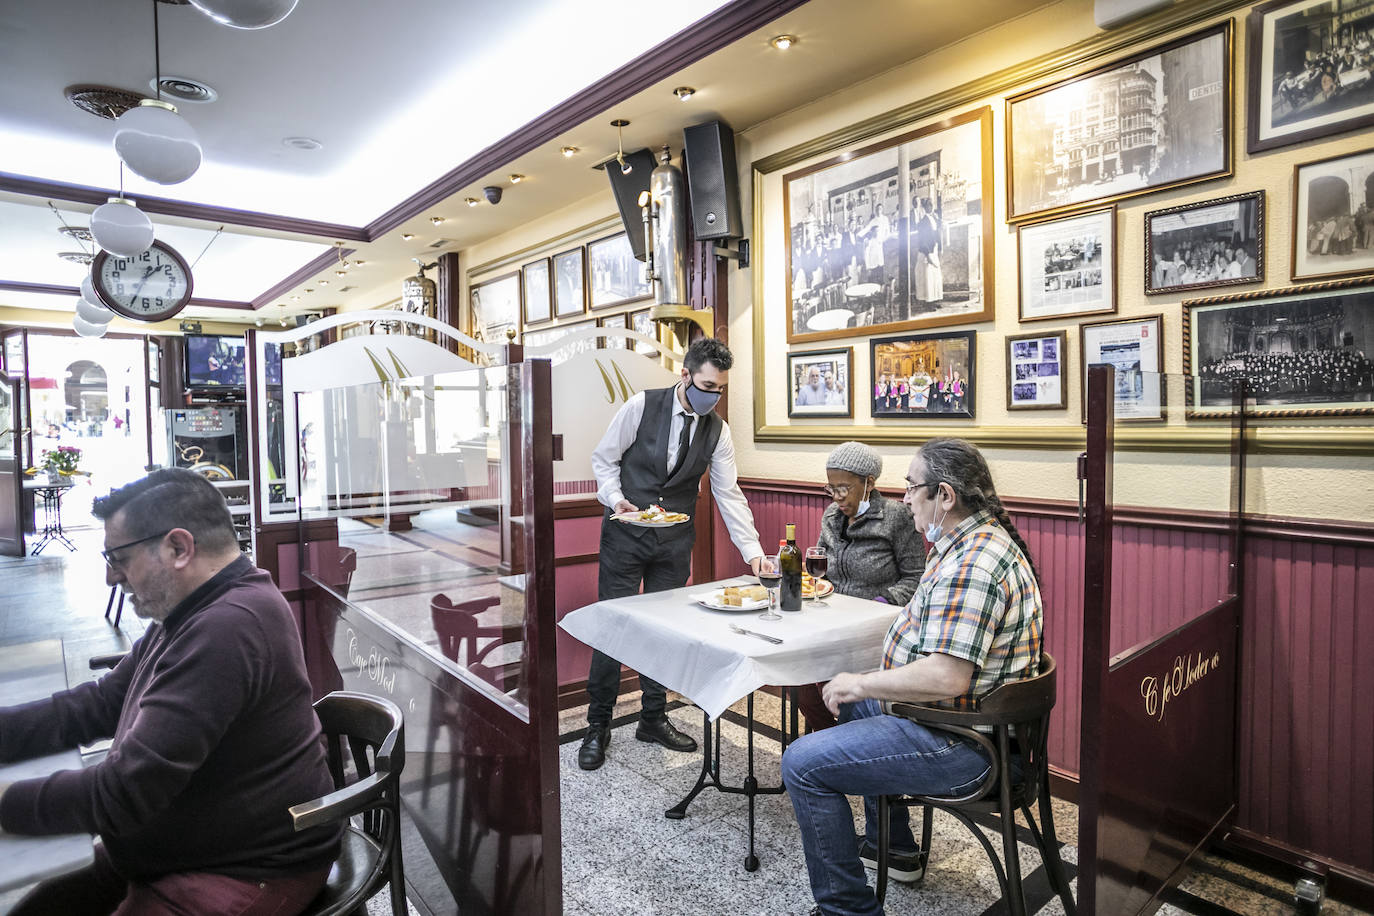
(816, 588)
(653, 517)
(735, 598)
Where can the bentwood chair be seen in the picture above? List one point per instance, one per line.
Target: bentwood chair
(469, 642)
(1019, 715)
(369, 733)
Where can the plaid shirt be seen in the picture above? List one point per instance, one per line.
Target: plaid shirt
(977, 601)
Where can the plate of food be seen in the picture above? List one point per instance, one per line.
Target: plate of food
(735, 598)
(653, 517)
(816, 588)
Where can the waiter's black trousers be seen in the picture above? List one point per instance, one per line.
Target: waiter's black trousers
(661, 560)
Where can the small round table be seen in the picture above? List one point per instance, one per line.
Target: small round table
(51, 494)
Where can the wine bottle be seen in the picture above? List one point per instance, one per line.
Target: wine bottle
(790, 565)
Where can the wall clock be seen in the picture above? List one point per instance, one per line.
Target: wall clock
(152, 286)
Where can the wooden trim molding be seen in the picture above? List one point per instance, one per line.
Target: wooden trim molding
(577, 507)
(316, 264)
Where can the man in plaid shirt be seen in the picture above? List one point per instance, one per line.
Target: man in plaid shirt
(975, 622)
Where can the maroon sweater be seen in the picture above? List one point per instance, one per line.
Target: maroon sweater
(214, 738)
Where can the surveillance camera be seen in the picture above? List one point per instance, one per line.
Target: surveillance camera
(493, 194)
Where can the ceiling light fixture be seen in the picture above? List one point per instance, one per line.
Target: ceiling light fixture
(121, 228)
(95, 313)
(359, 263)
(471, 201)
(86, 328)
(569, 151)
(152, 139)
(246, 14)
(437, 220)
(620, 124)
(783, 42)
(341, 273)
(684, 93)
(295, 298)
(322, 282)
(406, 236)
(516, 178)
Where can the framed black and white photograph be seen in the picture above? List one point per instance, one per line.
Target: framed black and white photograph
(819, 383)
(924, 375)
(1333, 217)
(538, 291)
(1037, 371)
(1197, 246)
(569, 286)
(893, 236)
(1067, 266)
(1303, 351)
(615, 341)
(1134, 346)
(496, 308)
(1310, 64)
(1158, 119)
(616, 275)
(641, 322)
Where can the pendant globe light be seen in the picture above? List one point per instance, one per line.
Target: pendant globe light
(93, 313)
(246, 14)
(120, 228)
(86, 329)
(152, 139)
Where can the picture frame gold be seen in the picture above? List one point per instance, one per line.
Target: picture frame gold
(1061, 158)
(930, 266)
(1176, 237)
(1328, 240)
(832, 395)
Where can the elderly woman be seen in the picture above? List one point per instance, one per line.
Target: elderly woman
(975, 623)
(874, 550)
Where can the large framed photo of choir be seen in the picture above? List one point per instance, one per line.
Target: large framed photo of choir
(1303, 351)
(1310, 69)
(819, 383)
(1198, 246)
(893, 236)
(1065, 149)
(924, 375)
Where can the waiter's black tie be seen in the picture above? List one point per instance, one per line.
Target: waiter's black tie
(682, 442)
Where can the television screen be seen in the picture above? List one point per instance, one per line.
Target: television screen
(214, 361)
(272, 358)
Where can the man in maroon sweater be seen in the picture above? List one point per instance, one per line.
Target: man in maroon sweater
(214, 732)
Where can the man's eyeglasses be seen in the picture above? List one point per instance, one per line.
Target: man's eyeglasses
(836, 491)
(115, 562)
(911, 488)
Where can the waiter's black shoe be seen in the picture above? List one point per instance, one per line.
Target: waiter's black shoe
(663, 732)
(593, 751)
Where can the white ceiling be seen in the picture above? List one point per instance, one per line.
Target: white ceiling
(399, 94)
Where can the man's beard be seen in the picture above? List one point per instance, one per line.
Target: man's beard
(154, 600)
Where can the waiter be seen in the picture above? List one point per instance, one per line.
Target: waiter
(655, 452)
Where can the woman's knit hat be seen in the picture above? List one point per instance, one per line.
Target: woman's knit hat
(856, 458)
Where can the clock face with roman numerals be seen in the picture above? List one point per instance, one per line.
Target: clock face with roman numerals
(151, 286)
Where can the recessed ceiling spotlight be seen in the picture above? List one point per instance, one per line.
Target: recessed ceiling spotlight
(436, 220)
(471, 201)
(322, 282)
(359, 263)
(516, 178)
(295, 298)
(184, 89)
(569, 151)
(406, 236)
(783, 42)
(684, 93)
(309, 289)
(302, 143)
(341, 273)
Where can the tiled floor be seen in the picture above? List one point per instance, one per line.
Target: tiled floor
(620, 854)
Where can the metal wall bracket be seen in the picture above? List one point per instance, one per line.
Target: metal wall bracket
(739, 253)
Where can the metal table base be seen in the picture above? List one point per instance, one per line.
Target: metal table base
(710, 770)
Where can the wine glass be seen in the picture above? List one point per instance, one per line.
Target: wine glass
(770, 577)
(816, 565)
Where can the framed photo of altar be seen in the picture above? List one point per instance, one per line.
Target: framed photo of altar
(924, 375)
(893, 236)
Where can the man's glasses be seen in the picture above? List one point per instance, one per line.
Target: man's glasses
(115, 562)
(911, 488)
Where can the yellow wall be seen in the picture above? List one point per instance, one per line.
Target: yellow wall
(47, 319)
(1307, 481)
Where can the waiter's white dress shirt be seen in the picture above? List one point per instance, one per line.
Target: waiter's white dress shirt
(621, 434)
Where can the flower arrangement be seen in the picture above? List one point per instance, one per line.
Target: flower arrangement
(62, 460)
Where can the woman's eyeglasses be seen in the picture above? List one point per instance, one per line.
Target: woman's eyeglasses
(836, 491)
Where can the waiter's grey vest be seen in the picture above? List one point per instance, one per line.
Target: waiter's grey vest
(644, 465)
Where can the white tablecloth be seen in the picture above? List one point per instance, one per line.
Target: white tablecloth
(692, 650)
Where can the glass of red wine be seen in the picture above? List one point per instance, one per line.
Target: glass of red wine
(816, 565)
(770, 577)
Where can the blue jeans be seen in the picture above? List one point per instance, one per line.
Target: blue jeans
(869, 754)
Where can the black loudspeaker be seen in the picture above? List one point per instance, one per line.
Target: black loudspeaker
(627, 188)
(712, 180)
